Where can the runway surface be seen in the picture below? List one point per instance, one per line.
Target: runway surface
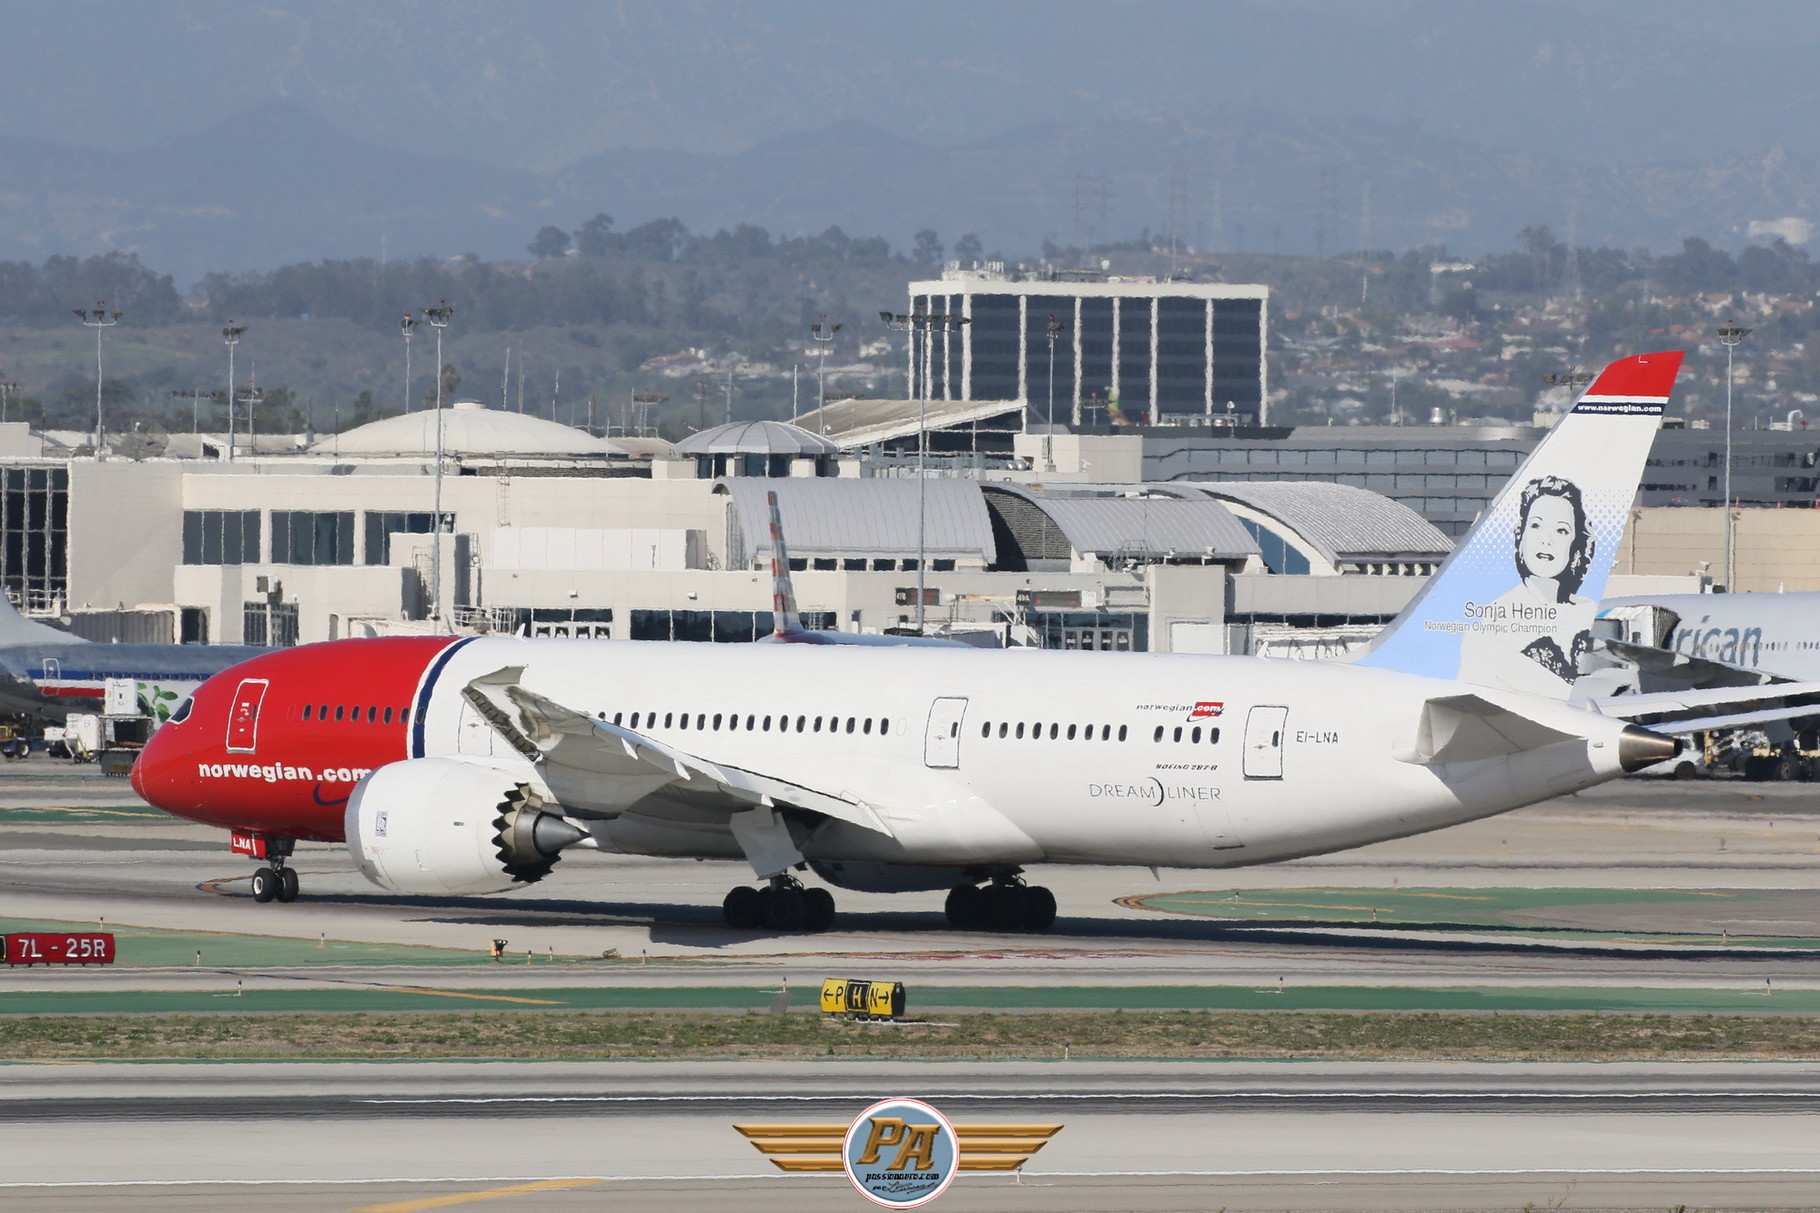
(1145, 1136)
(1735, 865)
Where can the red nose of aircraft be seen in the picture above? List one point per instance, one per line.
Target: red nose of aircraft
(275, 745)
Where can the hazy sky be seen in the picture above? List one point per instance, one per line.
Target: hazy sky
(539, 83)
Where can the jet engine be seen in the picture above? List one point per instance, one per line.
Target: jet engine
(453, 826)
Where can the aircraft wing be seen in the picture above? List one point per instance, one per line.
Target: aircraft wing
(600, 768)
(1666, 670)
(1695, 711)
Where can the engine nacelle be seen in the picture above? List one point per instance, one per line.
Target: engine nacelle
(452, 826)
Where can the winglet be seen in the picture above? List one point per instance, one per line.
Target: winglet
(784, 619)
(1513, 606)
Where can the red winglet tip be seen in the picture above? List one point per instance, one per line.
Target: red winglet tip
(1650, 376)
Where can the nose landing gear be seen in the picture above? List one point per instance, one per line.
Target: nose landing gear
(276, 881)
(782, 905)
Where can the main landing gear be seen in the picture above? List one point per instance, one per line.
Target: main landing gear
(1007, 904)
(276, 881)
(782, 905)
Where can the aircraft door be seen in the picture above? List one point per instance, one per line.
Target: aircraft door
(243, 716)
(942, 743)
(473, 735)
(1264, 728)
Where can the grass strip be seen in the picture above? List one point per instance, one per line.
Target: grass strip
(1184, 1035)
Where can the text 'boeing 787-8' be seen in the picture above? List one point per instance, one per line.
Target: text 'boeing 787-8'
(462, 766)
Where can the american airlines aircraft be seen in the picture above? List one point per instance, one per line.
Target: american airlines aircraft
(47, 673)
(1768, 634)
(463, 766)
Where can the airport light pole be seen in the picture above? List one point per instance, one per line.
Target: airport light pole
(438, 318)
(406, 328)
(1572, 379)
(822, 333)
(231, 335)
(196, 396)
(7, 388)
(1054, 329)
(1730, 334)
(644, 400)
(99, 319)
(923, 325)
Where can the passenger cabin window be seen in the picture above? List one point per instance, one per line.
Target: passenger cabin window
(386, 716)
(337, 713)
(306, 710)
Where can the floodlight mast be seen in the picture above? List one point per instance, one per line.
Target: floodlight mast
(822, 333)
(7, 388)
(922, 323)
(1054, 329)
(407, 328)
(98, 318)
(438, 318)
(231, 335)
(1730, 334)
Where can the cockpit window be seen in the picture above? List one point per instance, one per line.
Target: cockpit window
(183, 710)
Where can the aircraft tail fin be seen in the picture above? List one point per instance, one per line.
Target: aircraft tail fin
(784, 619)
(1513, 606)
(17, 629)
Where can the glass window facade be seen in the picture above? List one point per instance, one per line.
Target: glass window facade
(1238, 355)
(1181, 355)
(220, 537)
(719, 627)
(1096, 359)
(993, 334)
(1134, 359)
(1036, 357)
(381, 525)
(312, 537)
(273, 623)
(1163, 337)
(1280, 556)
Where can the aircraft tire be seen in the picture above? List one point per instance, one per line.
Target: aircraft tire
(966, 907)
(781, 909)
(1007, 907)
(740, 908)
(1039, 908)
(818, 909)
(287, 885)
(265, 885)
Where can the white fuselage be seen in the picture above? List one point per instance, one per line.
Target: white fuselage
(1117, 761)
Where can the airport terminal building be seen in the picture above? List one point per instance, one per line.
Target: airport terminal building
(1144, 351)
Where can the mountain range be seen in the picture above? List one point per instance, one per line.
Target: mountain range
(277, 183)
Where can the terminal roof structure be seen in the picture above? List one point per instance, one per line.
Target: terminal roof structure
(469, 429)
(757, 438)
(1340, 521)
(857, 519)
(852, 424)
(1145, 527)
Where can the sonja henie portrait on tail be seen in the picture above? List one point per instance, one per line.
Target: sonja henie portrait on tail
(1543, 617)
